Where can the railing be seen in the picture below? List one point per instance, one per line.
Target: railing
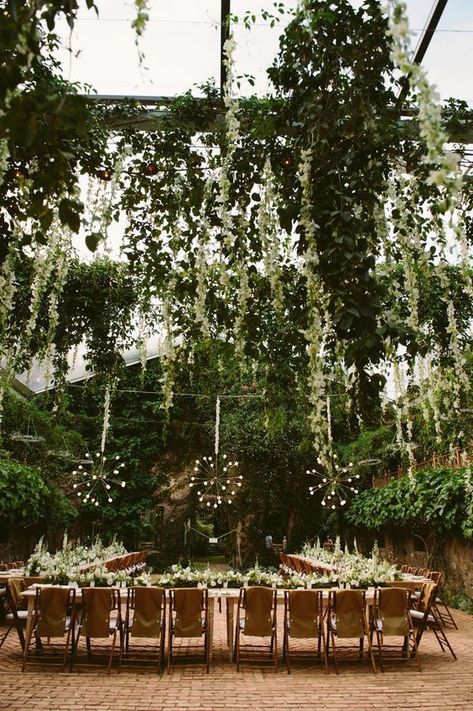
(455, 460)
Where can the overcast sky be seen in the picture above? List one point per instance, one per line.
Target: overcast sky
(181, 46)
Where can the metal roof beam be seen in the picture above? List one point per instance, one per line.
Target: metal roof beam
(424, 40)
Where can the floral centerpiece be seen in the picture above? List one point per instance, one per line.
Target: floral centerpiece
(84, 565)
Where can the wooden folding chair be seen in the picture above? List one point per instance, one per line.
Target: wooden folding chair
(257, 617)
(54, 616)
(425, 618)
(97, 621)
(346, 619)
(391, 618)
(17, 614)
(303, 619)
(145, 618)
(188, 618)
(441, 608)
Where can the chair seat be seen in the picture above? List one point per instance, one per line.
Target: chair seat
(418, 615)
(21, 614)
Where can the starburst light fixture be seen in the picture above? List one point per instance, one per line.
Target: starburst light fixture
(97, 476)
(216, 485)
(336, 483)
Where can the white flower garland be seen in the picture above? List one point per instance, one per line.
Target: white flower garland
(106, 413)
(168, 353)
(202, 262)
(319, 324)
(270, 234)
(232, 136)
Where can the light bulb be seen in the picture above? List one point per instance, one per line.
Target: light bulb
(123, 484)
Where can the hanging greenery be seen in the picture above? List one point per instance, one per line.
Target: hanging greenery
(314, 205)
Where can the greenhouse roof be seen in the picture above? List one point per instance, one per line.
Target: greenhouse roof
(182, 45)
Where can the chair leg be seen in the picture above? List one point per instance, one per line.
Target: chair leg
(89, 649)
(443, 641)
(237, 645)
(446, 616)
(370, 651)
(322, 645)
(5, 636)
(379, 643)
(286, 652)
(66, 647)
(416, 650)
(334, 651)
(122, 649)
(275, 638)
(111, 652)
(169, 648)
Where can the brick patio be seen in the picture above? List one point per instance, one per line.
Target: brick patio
(443, 683)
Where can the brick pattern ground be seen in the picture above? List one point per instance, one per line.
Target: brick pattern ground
(443, 683)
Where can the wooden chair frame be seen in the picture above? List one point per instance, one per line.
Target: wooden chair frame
(69, 629)
(113, 630)
(331, 631)
(127, 628)
(425, 618)
(273, 645)
(409, 641)
(320, 631)
(205, 627)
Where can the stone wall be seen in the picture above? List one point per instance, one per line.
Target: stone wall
(452, 555)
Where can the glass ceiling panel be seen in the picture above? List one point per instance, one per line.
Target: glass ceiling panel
(450, 55)
(181, 44)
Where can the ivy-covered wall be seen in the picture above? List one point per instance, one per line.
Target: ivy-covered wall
(424, 520)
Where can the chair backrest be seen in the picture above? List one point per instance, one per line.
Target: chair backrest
(51, 608)
(392, 606)
(349, 609)
(436, 576)
(15, 586)
(188, 604)
(303, 609)
(426, 597)
(259, 604)
(404, 568)
(97, 604)
(148, 610)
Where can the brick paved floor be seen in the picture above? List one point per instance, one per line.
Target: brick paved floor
(443, 683)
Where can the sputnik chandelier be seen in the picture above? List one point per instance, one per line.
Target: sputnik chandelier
(96, 477)
(215, 477)
(336, 483)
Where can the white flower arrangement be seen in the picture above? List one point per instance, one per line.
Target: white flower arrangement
(80, 564)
